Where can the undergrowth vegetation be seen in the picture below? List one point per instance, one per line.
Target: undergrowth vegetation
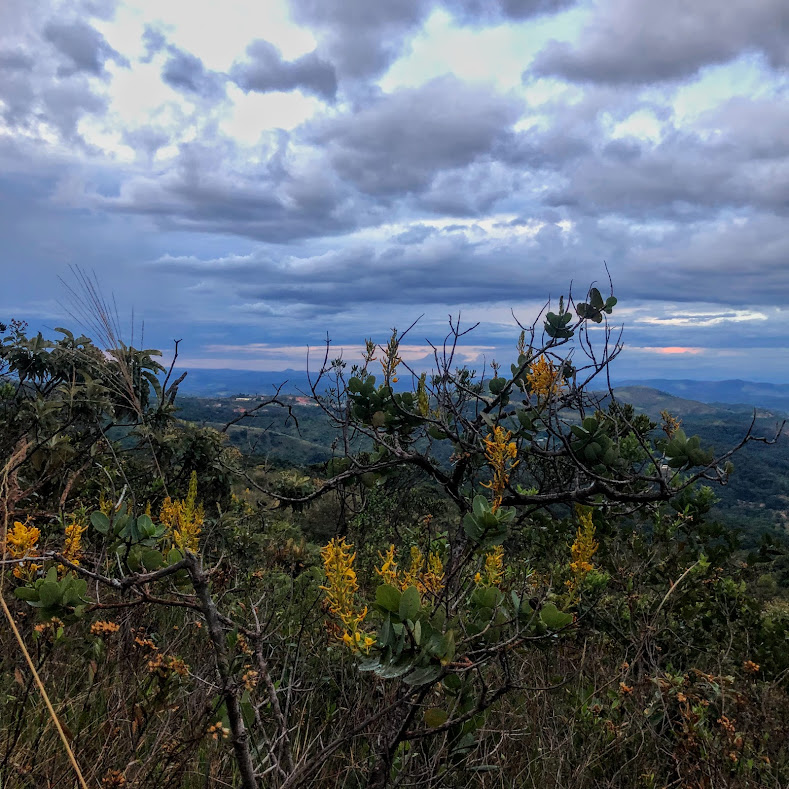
(495, 582)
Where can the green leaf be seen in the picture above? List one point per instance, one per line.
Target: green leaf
(485, 596)
(423, 676)
(100, 522)
(152, 559)
(133, 560)
(49, 594)
(369, 664)
(447, 648)
(410, 603)
(388, 598)
(480, 506)
(385, 632)
(554, 618)
(396, 669)
(435, 716)
(26, 593)
(145, 526)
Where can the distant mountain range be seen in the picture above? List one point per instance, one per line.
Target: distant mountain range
(763, 395)
(226, 383)
(774, 397)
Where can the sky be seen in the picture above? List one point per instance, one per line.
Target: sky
(253, 175)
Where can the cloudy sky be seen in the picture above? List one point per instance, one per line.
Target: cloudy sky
(248, 175)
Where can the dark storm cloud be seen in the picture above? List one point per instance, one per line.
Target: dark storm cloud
(212, 188)
(15, 60)
(438, 266)
(474, 11)
(51, 88)
(470, 191)
(642, 41)
(737, 262)
(146, 140)
(82, 46)
(186, 72)
(402, 140)
(65, 103)
(433, 145)
(736, 156)
(265, 70)
(360, 37)
(364, 38)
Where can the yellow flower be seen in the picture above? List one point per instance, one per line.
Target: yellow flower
(164, 666)
(582, 550)
(493, 572)
(105, 505)
(432, 580)
(184, 518)
(544, 380)
(341, 587)
(500, 451)
(72, 547)
(22, 543)
(411, 577)
(101, 628)
(388, 569)
(670, 423)
(428, 577)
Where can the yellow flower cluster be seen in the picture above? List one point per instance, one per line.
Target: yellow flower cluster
(493, 572)
(113, 779)
(218, 731)
(388, 569)
(102, 628)
(500, 453)
(165, 666)
(341, 587)
(544, 380)
(670, 423)
(184, 518)
(72, 546)
(105, 505)
(582, 550)
(22, 543)
(426, 576)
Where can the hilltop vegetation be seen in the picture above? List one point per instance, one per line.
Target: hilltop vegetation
(754, 501)
(473, 582)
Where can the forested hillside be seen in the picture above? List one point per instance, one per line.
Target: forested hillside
(754, 501)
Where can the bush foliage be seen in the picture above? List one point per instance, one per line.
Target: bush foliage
(495, 581)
